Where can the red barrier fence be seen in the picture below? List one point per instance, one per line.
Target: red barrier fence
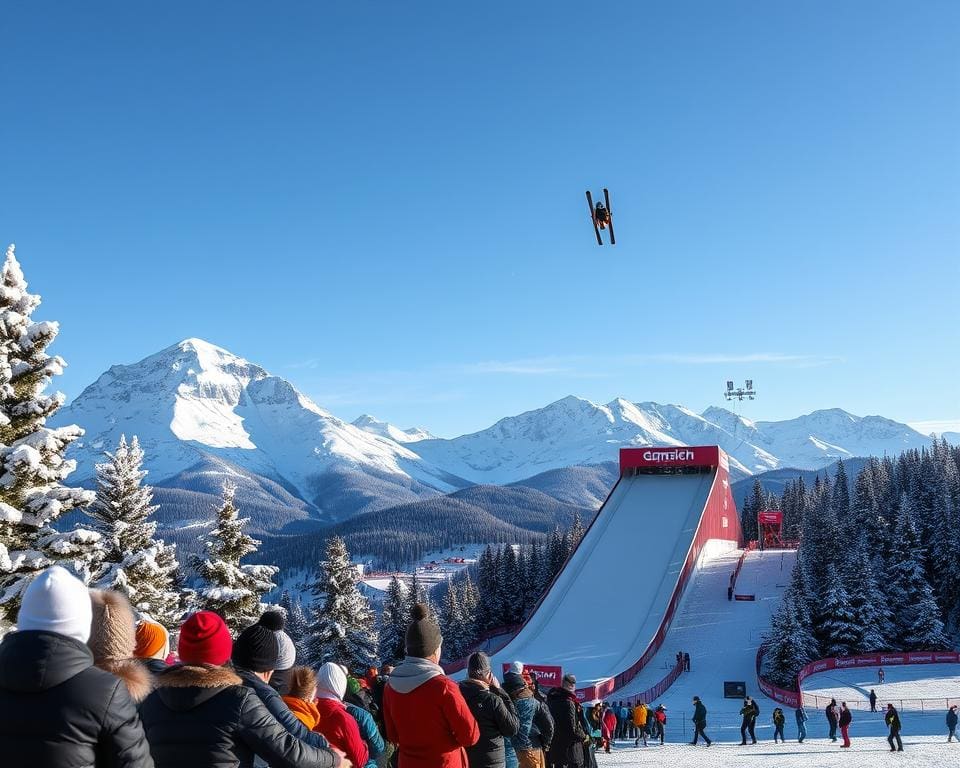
(887, 659)
(654, 693)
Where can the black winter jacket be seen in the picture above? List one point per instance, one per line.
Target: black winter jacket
(496, 717)
(278, 708)
(568, 733)
(205, 717)
(59, 711)
(155, 666)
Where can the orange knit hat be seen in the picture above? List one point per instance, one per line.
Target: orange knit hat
(151, 639)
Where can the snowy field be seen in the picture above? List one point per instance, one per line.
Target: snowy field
(904, 687)
(918, 752)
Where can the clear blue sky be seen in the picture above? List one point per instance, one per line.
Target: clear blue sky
(383, 201)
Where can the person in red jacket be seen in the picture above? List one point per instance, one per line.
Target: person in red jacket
(336, 724)
(609, 727)
(424, 712)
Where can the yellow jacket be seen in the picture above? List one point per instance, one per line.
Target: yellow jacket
(640, 715)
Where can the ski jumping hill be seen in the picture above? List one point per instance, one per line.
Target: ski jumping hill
(608, 611)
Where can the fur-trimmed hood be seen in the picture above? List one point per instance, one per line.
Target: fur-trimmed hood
(135, 676)
(197, 676)
(113, 639)
(186, 686)
(113, 631)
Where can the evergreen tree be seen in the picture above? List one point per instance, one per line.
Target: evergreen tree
(228, 588)
(486, 613)
(871, 618)
(452, 625)
(834, 623)
(577, 531)
(511, 587)
(532, 578)
(32, 464)
(755, 505)
(394, 618)
(134, 562)
(865, 514)
(296, 623)
(820, 540)
(559, 551)
(791, 645)
(469, 601)
(342, 627)
(917, 621)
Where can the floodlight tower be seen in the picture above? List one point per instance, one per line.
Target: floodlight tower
(739, 393)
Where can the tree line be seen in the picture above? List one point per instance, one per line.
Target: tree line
(878, 568)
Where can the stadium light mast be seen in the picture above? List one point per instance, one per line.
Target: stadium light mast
(740, 393)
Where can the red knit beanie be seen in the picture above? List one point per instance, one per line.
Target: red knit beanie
(205, 639)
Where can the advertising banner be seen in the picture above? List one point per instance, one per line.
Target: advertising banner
(547, 676)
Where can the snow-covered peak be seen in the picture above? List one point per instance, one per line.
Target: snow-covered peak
(375, 426)
(195, 399)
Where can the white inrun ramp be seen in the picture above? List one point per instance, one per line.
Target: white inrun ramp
(607, 611)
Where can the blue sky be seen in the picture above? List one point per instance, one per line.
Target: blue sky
(383, 202)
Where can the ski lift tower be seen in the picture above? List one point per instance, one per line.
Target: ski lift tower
(740, 393)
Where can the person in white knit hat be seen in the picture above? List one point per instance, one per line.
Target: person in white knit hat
(56, 708)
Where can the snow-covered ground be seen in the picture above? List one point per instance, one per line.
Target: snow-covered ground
(721, 637)
(927, 751)
(907, 688)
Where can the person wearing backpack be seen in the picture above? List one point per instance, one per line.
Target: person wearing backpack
(748, 724)
(778, 721)
(660, 722)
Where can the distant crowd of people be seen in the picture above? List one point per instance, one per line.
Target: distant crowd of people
(83, 684)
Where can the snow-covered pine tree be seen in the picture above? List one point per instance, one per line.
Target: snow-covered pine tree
(755, 505)
(511, 587)
(834, 623)
(577, 531)
(820, 541)
(469, 600)
(32, 464)
(296, 623)
(342, 627)
(917, 622)
(134, 561)
(394, 619)
(868, 604)
(791, 645)
(228, 587)
(866, 517)
(487, 589)
(452, 625)
(559, 551)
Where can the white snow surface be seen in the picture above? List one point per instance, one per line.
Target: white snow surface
(721, 636)
(924, 751)
(907, 687)
(376, 427)
(605, 607)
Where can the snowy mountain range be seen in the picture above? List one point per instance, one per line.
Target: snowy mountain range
(203, 414)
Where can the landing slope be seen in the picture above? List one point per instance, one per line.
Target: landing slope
(607, 604)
